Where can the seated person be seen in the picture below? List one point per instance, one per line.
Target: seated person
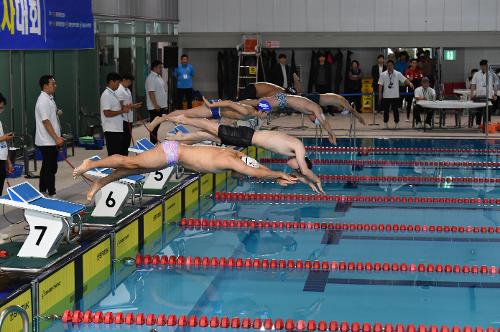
(424, 92)
(202, 159)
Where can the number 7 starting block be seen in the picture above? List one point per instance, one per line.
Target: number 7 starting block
(156, 182)
(50, 220)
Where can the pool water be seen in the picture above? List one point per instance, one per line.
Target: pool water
(355, 296)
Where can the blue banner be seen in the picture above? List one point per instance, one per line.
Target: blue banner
(46, 24)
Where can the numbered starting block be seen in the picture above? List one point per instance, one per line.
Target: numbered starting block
(50, 220)
(156, 181)
(112, 197)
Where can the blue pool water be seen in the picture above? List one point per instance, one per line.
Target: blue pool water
(396, 297)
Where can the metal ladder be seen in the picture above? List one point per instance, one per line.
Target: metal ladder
(19, 310)
(249, 62)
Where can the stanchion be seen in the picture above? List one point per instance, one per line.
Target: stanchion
(373, 110)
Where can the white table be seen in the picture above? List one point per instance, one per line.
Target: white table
(466, 92)
(443, 105)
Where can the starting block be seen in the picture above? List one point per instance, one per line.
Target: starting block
(50, 220)
(155, 181)
(112, 197)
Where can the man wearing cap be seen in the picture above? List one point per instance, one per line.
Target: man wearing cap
(217, 109)
(241, 136)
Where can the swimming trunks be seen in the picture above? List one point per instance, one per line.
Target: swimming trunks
(236, 136)
(282, 102)
(312, 97)
(171, 150)
(249, 92)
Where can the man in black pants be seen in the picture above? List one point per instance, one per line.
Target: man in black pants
(156, 96)
(388, 92)
(48, 134)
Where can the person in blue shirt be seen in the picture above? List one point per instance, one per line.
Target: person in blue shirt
(184, 73)
(401, 65)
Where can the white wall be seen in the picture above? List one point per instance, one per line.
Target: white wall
(338, 15)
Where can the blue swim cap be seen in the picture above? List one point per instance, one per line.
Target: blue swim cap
(264, 106)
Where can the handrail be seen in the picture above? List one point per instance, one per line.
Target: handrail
(16, 309)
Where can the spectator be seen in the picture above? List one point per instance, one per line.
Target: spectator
(184, 73)
(469, 79)
(388, 91)
(5, 163)
(125, 98)
(428, 67)
(378, 69)
(156, 96)
(354, 83)
(48, 134)
(322, 75)
(280, 73)
(424, 92)
(479, 90)
(113, 115)
(415, 76)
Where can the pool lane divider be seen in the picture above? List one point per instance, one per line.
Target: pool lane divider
(400, 179)
(282, 198)
(151, 319)
(324, 226)
(384, 150)
(388, 163)
(308, 265)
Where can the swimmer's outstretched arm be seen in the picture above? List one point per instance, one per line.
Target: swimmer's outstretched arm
(313, 180)
(262, 172)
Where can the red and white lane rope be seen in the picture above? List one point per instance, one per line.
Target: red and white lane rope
(390, 150)
(299, 264)
(282, 197)
(322, 226)
(387, 163)
(215, 322)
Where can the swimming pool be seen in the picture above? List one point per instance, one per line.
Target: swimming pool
(397, 257)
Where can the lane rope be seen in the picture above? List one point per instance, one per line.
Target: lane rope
(323, 226)
(282, 197)
(385, 150)
(407, 163)
(214, 322)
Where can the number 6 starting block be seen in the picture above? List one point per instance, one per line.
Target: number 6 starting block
(155, 181)
(112, 197)
(50, 220)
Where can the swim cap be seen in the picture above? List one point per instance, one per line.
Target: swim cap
(249, 161)
(264, 106)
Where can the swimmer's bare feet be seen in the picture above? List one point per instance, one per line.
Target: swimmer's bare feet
(178, 119)
(85, 166)
(96, 186)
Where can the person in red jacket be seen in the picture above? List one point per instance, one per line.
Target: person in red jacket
(414, 75)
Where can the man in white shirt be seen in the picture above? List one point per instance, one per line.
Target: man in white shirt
(48, 134)
(156, 96)
(478, 88)
(424, 92)
(125, 97)
(388, 91)
(113, 115)
(5, 163)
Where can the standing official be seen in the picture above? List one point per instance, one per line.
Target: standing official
(48, 134)
(5, 163)
(113, 115)
(184, 73)
(156, 96)
(125, 97)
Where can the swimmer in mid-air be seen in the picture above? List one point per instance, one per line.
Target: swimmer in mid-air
(202, 159)
(283, 102)
(263, 89)
(274, 141)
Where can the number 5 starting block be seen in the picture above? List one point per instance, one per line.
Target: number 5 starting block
(156, 182)
(50, 220)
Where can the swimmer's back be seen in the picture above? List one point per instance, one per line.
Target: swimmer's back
(207, 159)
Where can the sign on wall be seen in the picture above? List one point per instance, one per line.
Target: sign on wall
(46, 24)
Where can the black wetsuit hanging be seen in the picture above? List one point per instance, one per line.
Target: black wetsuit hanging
(220, 74)
(338, 58)
(347, 68)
